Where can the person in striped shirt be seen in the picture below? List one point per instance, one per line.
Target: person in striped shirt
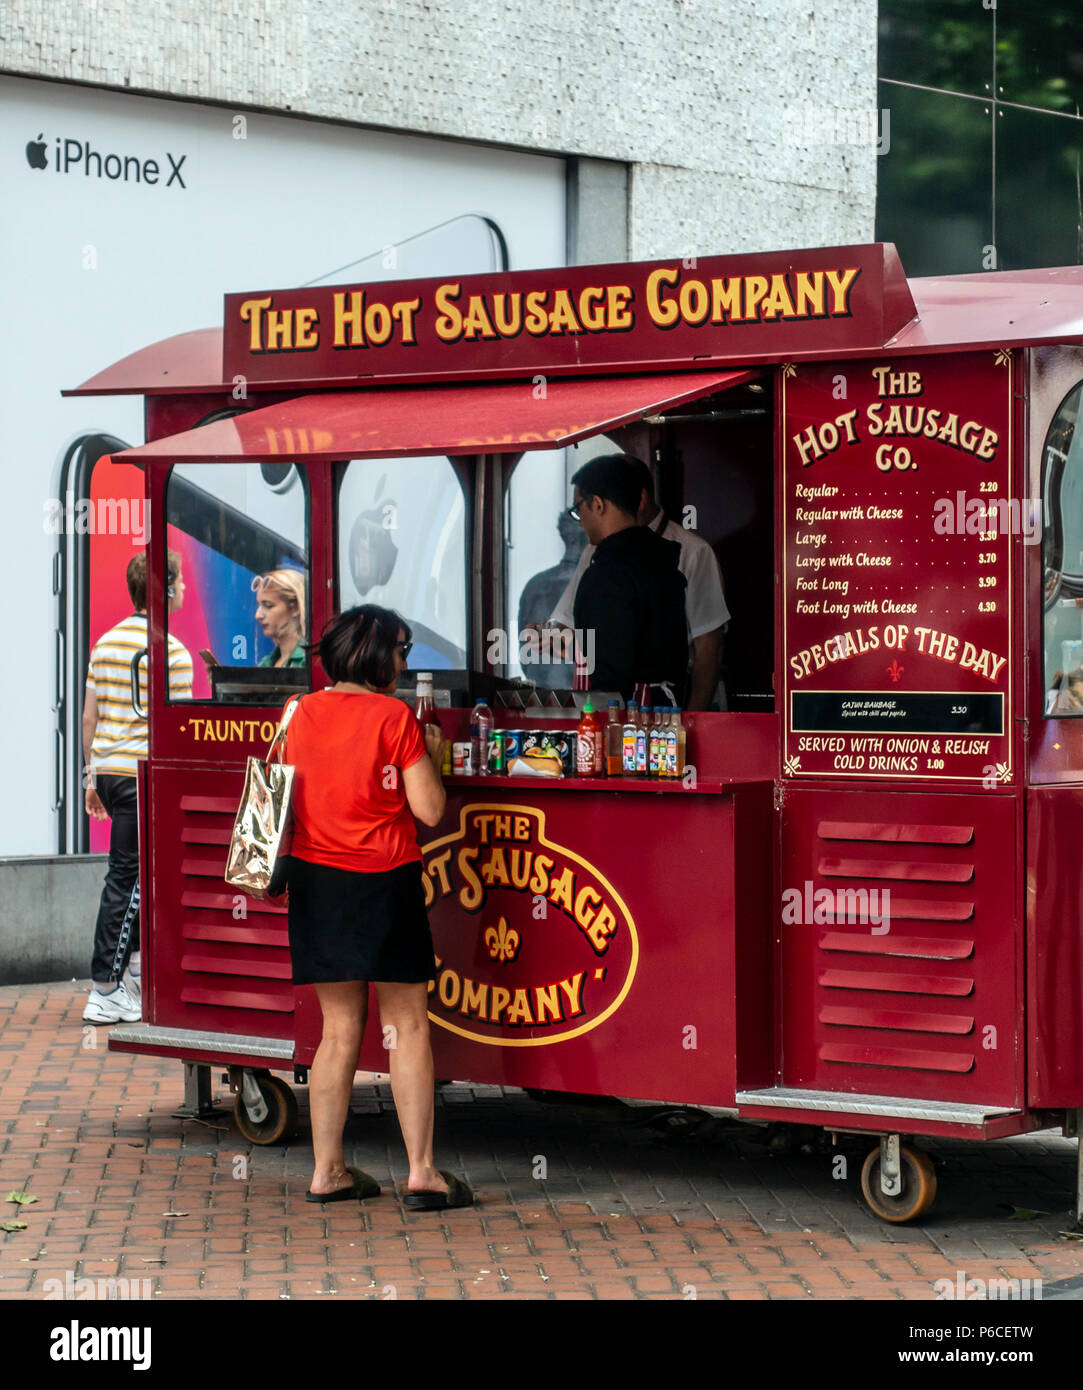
(114, 739)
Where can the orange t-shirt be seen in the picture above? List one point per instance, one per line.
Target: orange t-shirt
(349, 802)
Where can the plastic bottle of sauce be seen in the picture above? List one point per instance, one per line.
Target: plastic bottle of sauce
(628, 740)
(643, 733)
(614, 740)
(682, 735)
(587, 743)
(481, 726)
(656, 742)
(425, 709)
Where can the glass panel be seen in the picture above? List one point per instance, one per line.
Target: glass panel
(938, 43)
(402, 545)
(1037, 189)
(1040, 54)
(235, 526)
(1062, 554)
(934, 197)
(542, 548)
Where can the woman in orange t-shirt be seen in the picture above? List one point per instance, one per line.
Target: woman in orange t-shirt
(356, 903)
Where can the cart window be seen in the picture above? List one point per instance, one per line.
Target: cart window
(543, 545)
(402, 545)
(240, 531)
(1062, 558)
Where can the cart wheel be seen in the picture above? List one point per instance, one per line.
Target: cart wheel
(918, 1186)
(281, 1121)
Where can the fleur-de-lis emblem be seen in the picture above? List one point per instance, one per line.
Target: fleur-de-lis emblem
(792, 765)
(1002, 356)
(895, 671)
(788, 369)
(1004, 772)
(502, 941)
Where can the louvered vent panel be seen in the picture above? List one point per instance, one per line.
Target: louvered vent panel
(232, 951)
(893, 993)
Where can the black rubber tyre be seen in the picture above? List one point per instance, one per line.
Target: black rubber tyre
(281, 1121)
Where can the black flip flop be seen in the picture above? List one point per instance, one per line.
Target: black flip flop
(458, 1195)
(364, 1185)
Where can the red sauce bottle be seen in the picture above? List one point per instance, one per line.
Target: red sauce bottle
(589, 752)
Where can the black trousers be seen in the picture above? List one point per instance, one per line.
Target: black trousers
(116, 932)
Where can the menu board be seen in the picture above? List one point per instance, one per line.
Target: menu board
(897, 532)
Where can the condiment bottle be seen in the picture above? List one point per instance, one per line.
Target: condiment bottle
(655, 736)
(628, 740)
(682, 734)
(425, 708)
(642, 740)
(481, 726)
(614, 739)
(588, 738)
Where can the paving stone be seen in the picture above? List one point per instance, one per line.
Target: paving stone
(625, 1212)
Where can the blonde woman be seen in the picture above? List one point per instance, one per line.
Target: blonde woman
(280, 612)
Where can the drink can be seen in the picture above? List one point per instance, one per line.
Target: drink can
(462, 759)
(445, 760)
(498, 761)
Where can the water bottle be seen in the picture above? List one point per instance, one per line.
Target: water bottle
(481, 726)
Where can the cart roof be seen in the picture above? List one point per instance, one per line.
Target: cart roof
(934, 314)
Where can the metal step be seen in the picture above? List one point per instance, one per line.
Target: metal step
(150, 1035)
(890, 1107)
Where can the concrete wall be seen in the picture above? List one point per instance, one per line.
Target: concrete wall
(50, 903)
(721, 108)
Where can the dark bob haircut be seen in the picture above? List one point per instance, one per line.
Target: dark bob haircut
(614, 477)
(359, 645)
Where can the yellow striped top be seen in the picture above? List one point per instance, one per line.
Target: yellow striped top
(120, 738)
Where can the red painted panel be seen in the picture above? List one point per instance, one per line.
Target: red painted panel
(661, 1004)
(838, 1002)
(1054, 946)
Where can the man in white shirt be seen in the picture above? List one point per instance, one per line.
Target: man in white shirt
(705, 605)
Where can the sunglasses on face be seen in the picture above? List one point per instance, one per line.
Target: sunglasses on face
(405, 647)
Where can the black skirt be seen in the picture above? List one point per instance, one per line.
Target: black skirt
(354, 926)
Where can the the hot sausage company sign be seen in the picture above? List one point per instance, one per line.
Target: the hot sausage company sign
(580, 317)
(533, 944)
(897, 560)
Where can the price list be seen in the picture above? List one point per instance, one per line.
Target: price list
(898, 523)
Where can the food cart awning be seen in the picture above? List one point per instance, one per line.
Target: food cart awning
(476, 418)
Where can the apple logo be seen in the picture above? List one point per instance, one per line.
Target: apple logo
(35, 154)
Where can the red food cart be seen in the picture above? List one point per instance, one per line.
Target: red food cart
(860, 907)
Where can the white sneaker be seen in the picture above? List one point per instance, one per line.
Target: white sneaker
(133, 984)
(112, 1008)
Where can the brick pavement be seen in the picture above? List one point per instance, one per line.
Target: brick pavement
(575, 1201)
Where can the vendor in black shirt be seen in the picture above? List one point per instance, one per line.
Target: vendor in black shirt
(631, 596)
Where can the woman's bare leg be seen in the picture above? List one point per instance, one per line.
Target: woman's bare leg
(404, 1008)
(344, 1006)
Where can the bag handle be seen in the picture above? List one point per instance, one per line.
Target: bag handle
(283, 725)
